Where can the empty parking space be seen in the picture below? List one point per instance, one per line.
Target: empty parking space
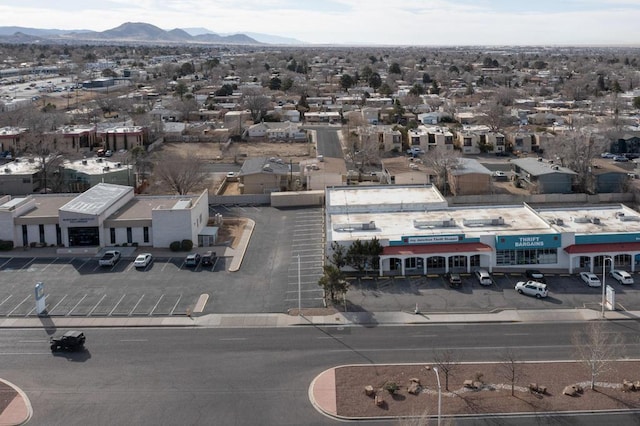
(305, 267)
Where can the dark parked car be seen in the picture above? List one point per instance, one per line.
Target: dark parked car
(453, 279)
(72, 340)
(535, 275)
(207, 258)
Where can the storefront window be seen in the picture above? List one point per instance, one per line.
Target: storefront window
(527, 257)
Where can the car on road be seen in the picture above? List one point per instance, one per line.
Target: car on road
(192, 259)
(590, 279)
(483, 277)
(620, 159)
(623, 277)
(535, 275)
(72, 340)
(109, 258)
(143, 260)
(453, 279)
(532, 288)
(607, 155)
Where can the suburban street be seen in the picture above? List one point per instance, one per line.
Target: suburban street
(248, 376)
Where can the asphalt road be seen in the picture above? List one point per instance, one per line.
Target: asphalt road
(328, 142)
(248, 376)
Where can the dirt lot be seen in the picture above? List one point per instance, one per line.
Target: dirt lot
(238, 151)
(493, 396)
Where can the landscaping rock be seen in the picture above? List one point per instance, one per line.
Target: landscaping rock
(368, 390)
(572, 390)
(414, 388)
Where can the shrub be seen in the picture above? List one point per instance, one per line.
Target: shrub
(186, 245)
(32, 244)
(134, 244)
(6, 245)
(175, 246)
(391, 387)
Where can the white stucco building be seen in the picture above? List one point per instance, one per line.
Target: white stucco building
(104, 215)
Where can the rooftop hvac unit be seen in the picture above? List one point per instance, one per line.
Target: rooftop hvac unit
(105, 169)
(84, 162)
(595, 221)
(7, 170)
(560, 222)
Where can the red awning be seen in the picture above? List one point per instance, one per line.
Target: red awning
(435, 248)
(603, 248)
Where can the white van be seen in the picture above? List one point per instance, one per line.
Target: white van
(483, 277)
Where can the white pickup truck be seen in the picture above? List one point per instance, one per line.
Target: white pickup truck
(109, 258)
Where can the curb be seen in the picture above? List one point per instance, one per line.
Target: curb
(16, 415)
(242, 246)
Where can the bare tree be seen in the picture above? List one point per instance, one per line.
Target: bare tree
(576, 150)
(446, 360)
(256, 102)
(441, 161)
(597, 349)
(181, 174)
(510, 368)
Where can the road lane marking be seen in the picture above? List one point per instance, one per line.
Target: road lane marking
(233, 338)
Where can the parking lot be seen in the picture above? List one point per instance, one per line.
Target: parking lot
(433, 294)
(269, 280)
(79, 287)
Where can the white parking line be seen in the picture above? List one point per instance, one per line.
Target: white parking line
(176, 305)
(61, 300)
(166, 263)
(114, 308)
(96, 305)
(52, 262)
(156, 305)
(28, 263)
(18, 305)
(136, 305)
(9, 260)
(77, 304)
(6, 299)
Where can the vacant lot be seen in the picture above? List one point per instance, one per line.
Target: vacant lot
(236, 152)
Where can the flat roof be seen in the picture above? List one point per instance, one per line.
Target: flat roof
(48, 205)
(593, 219)
(473, 222)
(141, 206)
(377, 195)
(96, 199)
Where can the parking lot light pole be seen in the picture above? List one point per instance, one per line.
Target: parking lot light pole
(604, 263)
(435, 369)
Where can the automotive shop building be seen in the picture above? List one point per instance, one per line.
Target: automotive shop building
(421, 234)
(105, 215)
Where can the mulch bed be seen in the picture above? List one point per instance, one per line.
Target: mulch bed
(493, 397)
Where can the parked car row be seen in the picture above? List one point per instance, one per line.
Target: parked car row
(536, 285)
(111, 257)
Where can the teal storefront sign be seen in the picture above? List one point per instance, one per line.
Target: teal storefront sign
(633, 237)
(531, 241)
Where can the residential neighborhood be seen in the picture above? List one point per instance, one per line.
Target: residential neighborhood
(232, 219)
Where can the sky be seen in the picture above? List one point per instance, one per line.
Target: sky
(355, 22)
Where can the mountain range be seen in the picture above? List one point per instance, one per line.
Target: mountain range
(137, 32)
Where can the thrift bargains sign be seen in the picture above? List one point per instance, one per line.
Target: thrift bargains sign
(521, 242)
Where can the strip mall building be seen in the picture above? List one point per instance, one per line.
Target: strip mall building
(105, 215)
(422, 235)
